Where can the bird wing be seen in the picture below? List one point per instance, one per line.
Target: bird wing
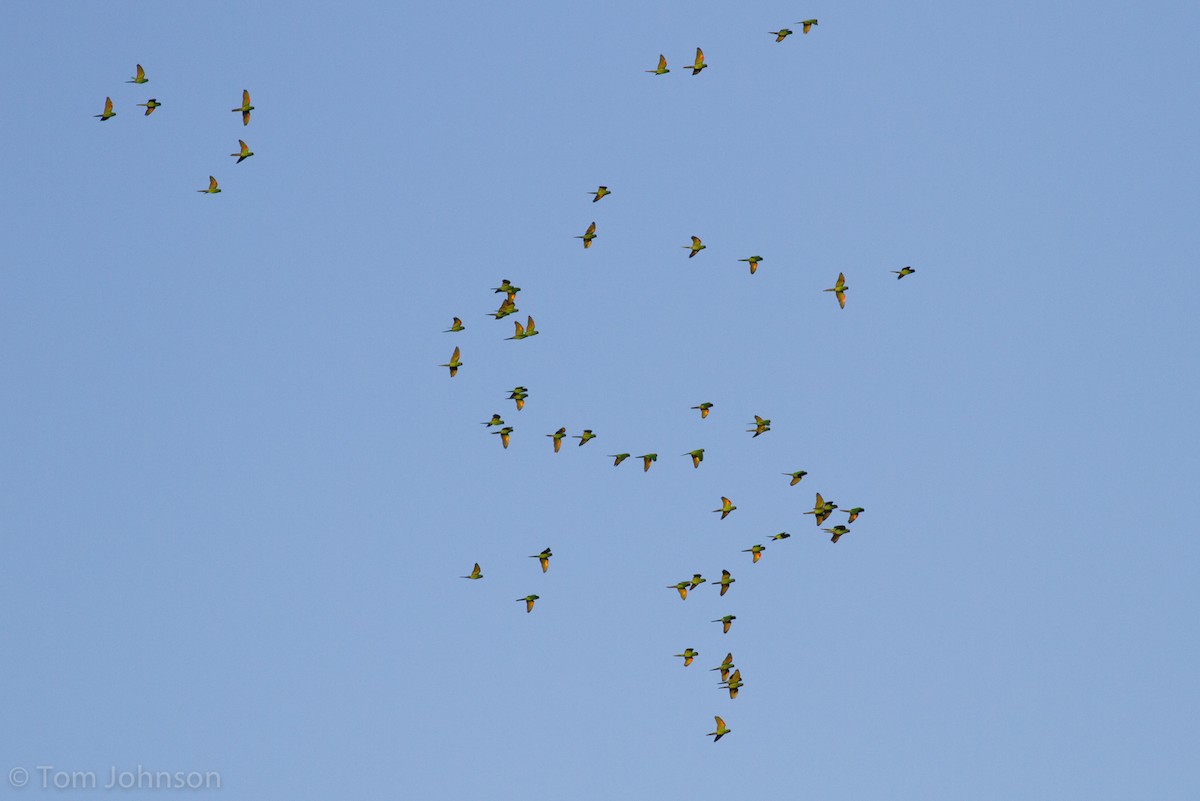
(699, 58)
(141, 73)
(212, 183)
(246, 98)
(662, 61)
(591, 229)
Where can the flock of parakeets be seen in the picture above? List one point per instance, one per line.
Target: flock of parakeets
(150, 105)
(731, 675)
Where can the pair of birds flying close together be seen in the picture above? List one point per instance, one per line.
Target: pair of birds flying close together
(697, 66)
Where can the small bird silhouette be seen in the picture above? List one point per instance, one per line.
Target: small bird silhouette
(682, 587)
(688, 655)
(504, 434)
(697, 456)
(733, 683)
(662, 66)
(903, 271)
(837, 532)
(727, 621)
(647, 458)
(544, 559)
(808, 23)
(585, 437)
(618, 458)
(781, 34)
(839, 290)
(214, 189)
(725, 581)
(756, 551)
(557, 436)
(725, 666)
(783, 535)
(108, 112)
(140, 77)
(854, 513)
(726, 507)
(695, 247)
(699, 64)
(753, 261)
(454, 362)
(457, 325)
(475, 574)
(244, 153)
(150, 105)
(245, 108)
(796, 476)
(588, 235)
(761, 426)
(519, 394)
(529, 599)
(721, 731)
(599, 193)
(697, 580)
(495, 421)
(704, 408)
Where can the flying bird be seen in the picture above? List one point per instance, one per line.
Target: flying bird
(108, 112)
(150, 105)
(808, 23)
(727, 621)
(599, 193)
(588, 235)
(822, 509)
(725, 581)
(753, 261)
(699, 65)
(733, 683)
(507, 288)
(799, 474)
(454, 326)
(839, 290)
(688, 655)
(725, 666)
(507, 306)
(697, 580)
(854, 513)
(647, 458)
(214, 189)
(697, 456)
(475, 574)
(530, 331)
(529, 599)
(245, 108)
(504, 435)
(837, 532)
(721, 731)
(618, 458)
(781, 34)
(585, 437)
(519, 394)
(495, 421)
(704, 407)
(695, 247)
(453, 364)
(783, 535)
(520, 334)
(682, 586)
(544, 558)
(756, 551)
(726, 507)
(140, 77)
(662, 66)
(761, 426)
(557, 436)
(244, 153)
(903, 271)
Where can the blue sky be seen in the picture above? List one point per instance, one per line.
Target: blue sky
(237, 491)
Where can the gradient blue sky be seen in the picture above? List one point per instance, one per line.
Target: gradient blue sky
(237, 491)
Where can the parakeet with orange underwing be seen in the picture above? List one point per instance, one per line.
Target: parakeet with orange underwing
(544, 559)
(854, 513)
(756, 551)
(796, 476)
(697, 456)
(734, 683)
(725, 666)
(588, 235)
(761, 426)
(781, 34)
(453, 364)
(753, 261)
(242, 154)
(726, 580)
(837, 532)
(214, 189)
(140, 77)
(721, 731)
(688, 655)
(150, 105)
(647, 458)
(682, 587)
(108, 112)
(557, 436)
(495, 421)
(726, 507)
(618, 458)
(529, 599)
(245, 108)
(475, 574)
(455, 326)
(704, 407)
(839, 290)
(504, 435)
(699, 64)
(807, 23)
(662, 66)
(726, 622)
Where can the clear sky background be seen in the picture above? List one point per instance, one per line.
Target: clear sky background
(237, 492)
